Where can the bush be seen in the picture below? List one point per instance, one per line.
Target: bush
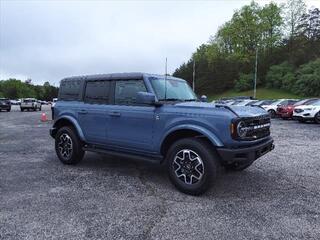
(308, 79)
(281, 76)
(245, 82)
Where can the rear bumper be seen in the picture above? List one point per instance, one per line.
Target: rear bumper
(248, 154)
(5, 107)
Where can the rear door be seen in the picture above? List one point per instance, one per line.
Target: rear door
(92, 112)
(130, 124)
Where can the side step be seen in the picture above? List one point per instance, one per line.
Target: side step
(149, 158)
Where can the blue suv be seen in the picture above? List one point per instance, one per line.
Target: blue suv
(157, 118)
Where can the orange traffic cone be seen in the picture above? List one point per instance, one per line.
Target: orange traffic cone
(44, 117)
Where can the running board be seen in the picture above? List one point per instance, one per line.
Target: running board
(149, 158)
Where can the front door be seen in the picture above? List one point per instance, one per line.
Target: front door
(130, 125)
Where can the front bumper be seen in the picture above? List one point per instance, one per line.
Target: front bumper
(248, 154)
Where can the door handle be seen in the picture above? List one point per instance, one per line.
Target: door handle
(114, 114)
(83, 112)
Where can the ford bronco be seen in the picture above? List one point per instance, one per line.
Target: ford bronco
(160, 119)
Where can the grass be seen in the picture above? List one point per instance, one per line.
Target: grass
(262, 93)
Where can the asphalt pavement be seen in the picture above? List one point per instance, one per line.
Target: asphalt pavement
(105, 197)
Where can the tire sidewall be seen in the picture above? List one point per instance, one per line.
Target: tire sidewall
(206, 156)
(317, 118)
(77, 152)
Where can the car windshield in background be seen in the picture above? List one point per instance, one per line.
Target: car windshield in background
(28, 100)
(176, 90)
(316, 103)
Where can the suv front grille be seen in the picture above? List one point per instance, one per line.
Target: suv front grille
(257, 127)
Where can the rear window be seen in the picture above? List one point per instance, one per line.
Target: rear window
(69, 90)
(97, 92)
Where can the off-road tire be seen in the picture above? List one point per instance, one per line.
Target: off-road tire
(207, 156)
(317, 118)
(76, 154)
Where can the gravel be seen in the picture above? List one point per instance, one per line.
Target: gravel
(105, 197)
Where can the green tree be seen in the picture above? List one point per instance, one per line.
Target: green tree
(245, 82)
(308, 79)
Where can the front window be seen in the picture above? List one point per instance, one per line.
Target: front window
(172, 89)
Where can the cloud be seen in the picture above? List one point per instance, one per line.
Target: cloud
(49, 40)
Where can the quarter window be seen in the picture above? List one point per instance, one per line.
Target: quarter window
(97, 92)
(126, 91)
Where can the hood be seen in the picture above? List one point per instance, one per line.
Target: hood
(241, 111)
(306, 106)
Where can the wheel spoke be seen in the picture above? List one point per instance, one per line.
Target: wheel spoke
(188, 166)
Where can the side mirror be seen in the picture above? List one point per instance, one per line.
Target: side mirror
(146, 98)
(204, 98)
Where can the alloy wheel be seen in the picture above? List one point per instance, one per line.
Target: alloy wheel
(188, 166)
(65, 145)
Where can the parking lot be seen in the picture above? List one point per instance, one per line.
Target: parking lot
(105, 197)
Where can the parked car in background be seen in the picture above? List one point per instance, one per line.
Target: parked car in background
(285, 110)
(14, 102)
(308, 112)
(271, 108)
(246, 102)
(30, 104)
(5, 104)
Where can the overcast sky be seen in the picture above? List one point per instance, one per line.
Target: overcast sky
(49, 40)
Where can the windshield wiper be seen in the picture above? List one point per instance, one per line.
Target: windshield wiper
(191, 100)
(170, 99)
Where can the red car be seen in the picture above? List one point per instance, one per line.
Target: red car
(286, 111)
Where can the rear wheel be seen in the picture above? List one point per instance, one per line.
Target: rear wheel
(68, 146)
(191, 165)
(21, 109)
(317, 118)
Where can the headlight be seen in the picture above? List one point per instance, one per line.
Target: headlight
(241, 129)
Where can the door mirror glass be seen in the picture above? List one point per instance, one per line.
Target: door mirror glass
(146, 98)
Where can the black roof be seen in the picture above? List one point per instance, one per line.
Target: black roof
(111, 76)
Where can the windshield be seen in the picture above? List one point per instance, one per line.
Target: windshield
(317, 103)
(176, 90)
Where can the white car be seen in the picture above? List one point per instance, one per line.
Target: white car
(271, 108)
(30, 104)
(307, 112)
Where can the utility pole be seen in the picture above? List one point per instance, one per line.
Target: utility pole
(255, 74)
(194, 75)
(165, 80)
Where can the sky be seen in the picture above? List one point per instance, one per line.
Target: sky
(49, 40)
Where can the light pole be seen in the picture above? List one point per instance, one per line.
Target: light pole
(255, 73)
(194, 75)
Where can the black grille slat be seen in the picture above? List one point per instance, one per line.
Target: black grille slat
(260, 131)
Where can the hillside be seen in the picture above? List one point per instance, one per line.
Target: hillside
(262, 93)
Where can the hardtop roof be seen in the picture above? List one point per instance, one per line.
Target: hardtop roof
(119, 76)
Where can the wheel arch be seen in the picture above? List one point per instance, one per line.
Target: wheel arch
(185, 132)
(69, 121)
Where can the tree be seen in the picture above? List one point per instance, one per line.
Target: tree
(281, 76)
(295, 9)
(245, 82)
(308, 79)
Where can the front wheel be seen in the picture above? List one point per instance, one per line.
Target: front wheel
(192, 165)
(8, 110)
(317, 118)
(68, 146)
